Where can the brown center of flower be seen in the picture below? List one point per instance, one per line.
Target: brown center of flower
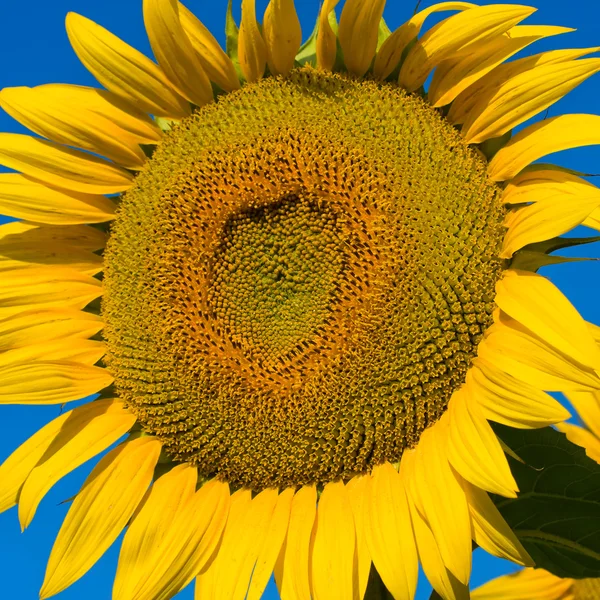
(298, 281)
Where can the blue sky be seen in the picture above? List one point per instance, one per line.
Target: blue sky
(33, 50)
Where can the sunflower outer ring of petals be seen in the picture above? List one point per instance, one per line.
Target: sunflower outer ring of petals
(292, 170)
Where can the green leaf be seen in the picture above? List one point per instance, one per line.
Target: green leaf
(557, 513)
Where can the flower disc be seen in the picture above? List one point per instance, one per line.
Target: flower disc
(299, 279)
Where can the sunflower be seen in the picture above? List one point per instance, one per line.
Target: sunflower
(314, 291)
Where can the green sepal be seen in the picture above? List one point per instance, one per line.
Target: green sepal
(165, 459)
(308, 51)
(333, 23)
(339, 65)
(138, 433)
(376, 589)
(491, 146)
(107, 392)
(559, 243)
(105, 227)
(526, 260)
(307, 55)
(164, 123)
(94, 307)
(556, 515)
(149, 149)
(383, 33)
(232, 33)
(161, 469)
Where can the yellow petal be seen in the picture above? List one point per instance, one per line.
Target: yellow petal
(85, 352)
(294, 577)
(391, 50)
(271, 546)
(527, 584)
(507, 400)
(529, 359)
(14, 257)
(486, 87)
(442, 580)
(26, 250)
(240, 548)
(464, 32)
(50, 256)
(89, 430)
(543, 138)
(60, 166)
(46, 382)
(595, 331)
(81, 237)
(538, 184)
(389, 533)
(473, 448)
(25, 198)
(524, 96)
(490, 530)
(541, 307)
(326, 38)
(17, 467)
(333, 549)
(207, 585)
(587, 405)
(454, 76)
(123, 70)
(165, 499)
(449, 520)
(282, 35)
(593, 220)
(582, 437)
(53, 116)
(118, 481)
(252, 52)
(357, 489)
(46, 287)
(545, 220)
(217, 65)
(358, 32)
(129, 119)
(55, 324)
(174, 52)
(187, 546)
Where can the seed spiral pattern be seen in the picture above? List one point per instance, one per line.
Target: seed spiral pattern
(299, 279)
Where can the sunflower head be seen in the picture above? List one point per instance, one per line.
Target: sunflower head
(301, 278)
(317, 287)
